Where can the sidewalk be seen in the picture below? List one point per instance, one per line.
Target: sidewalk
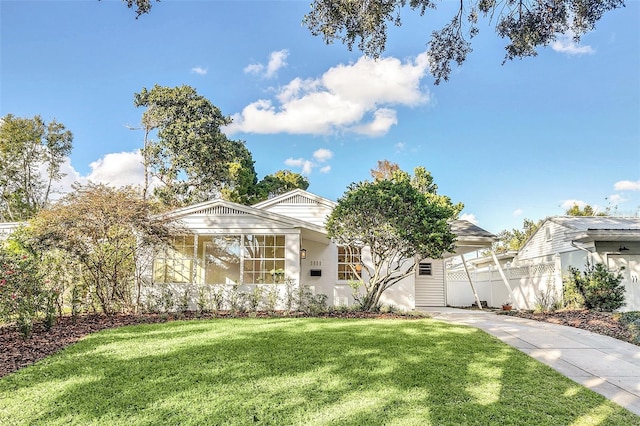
(603, 364)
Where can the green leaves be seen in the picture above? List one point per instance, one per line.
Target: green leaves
(27, 144)
(528, 24)
(396, 222)
(192, 158)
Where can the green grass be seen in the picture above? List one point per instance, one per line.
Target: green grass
(297, 371)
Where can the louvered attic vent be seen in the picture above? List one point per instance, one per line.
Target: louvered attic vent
(299, 199)
(220, 210)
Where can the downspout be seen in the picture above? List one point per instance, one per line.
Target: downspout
(589, 254)
(473, 288)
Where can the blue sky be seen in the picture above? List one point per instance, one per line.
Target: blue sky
(514, 141)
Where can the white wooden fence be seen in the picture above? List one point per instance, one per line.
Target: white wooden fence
(528, 284)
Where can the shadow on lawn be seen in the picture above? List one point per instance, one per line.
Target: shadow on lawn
(293, 371)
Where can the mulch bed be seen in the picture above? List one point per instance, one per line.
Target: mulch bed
(604, 323)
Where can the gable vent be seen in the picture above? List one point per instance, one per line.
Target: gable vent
(220, 210)
(299, 199)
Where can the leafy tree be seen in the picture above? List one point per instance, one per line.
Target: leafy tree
(107, 231)
(31, 154)
(397, 225)
(384, 170)
(596, 287)
(514, 240)
(587, 210)
(241, 184)
(193, 160)
(527, 24)
(278, 183)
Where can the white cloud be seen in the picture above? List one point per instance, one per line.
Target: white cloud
(118, 169)
(400, 146)
(199, 70)
(517, 212)
(323, 155)
(567, 204)
(253, 69)
(277, 60)
(565, 44)
(627, 185)
(305, 165)
(341, 100)
(115, 169)
(469, 217)
(383, 119)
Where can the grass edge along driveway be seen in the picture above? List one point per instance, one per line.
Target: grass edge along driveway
(298, 371)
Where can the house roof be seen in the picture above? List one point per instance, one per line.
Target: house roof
(223, 207)
(464, 228)
(295, 195)
(470, 237)
(592, 223)
(584, 229)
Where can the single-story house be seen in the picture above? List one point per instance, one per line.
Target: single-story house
(285, 238)
(558, 244)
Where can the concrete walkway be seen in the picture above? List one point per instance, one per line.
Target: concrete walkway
(603, 364)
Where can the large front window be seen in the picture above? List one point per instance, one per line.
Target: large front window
(263, 259)
(175, 263)
(349, 258)
(223, 259)
(220, 259)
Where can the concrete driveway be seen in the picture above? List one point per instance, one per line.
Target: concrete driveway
(603, 364)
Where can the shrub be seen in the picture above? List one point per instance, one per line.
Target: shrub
(599, 288)
(22, 289)
(546, 300)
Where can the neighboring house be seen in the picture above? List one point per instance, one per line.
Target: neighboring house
(285, 238)
(543, 260)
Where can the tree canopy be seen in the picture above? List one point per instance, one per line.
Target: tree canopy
(31, 156)
(107, 231)
(396, 224)
(527, 24)
(587, 210)
(278, 183)
(192, 159)
(513, 240)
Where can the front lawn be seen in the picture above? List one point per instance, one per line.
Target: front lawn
(297, 371)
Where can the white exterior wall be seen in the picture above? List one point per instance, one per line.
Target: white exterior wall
(542, 249)
(301, 206)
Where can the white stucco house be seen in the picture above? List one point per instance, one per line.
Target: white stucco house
(285, 237)
(559, 243)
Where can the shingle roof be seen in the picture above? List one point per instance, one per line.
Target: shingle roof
(464, 228)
